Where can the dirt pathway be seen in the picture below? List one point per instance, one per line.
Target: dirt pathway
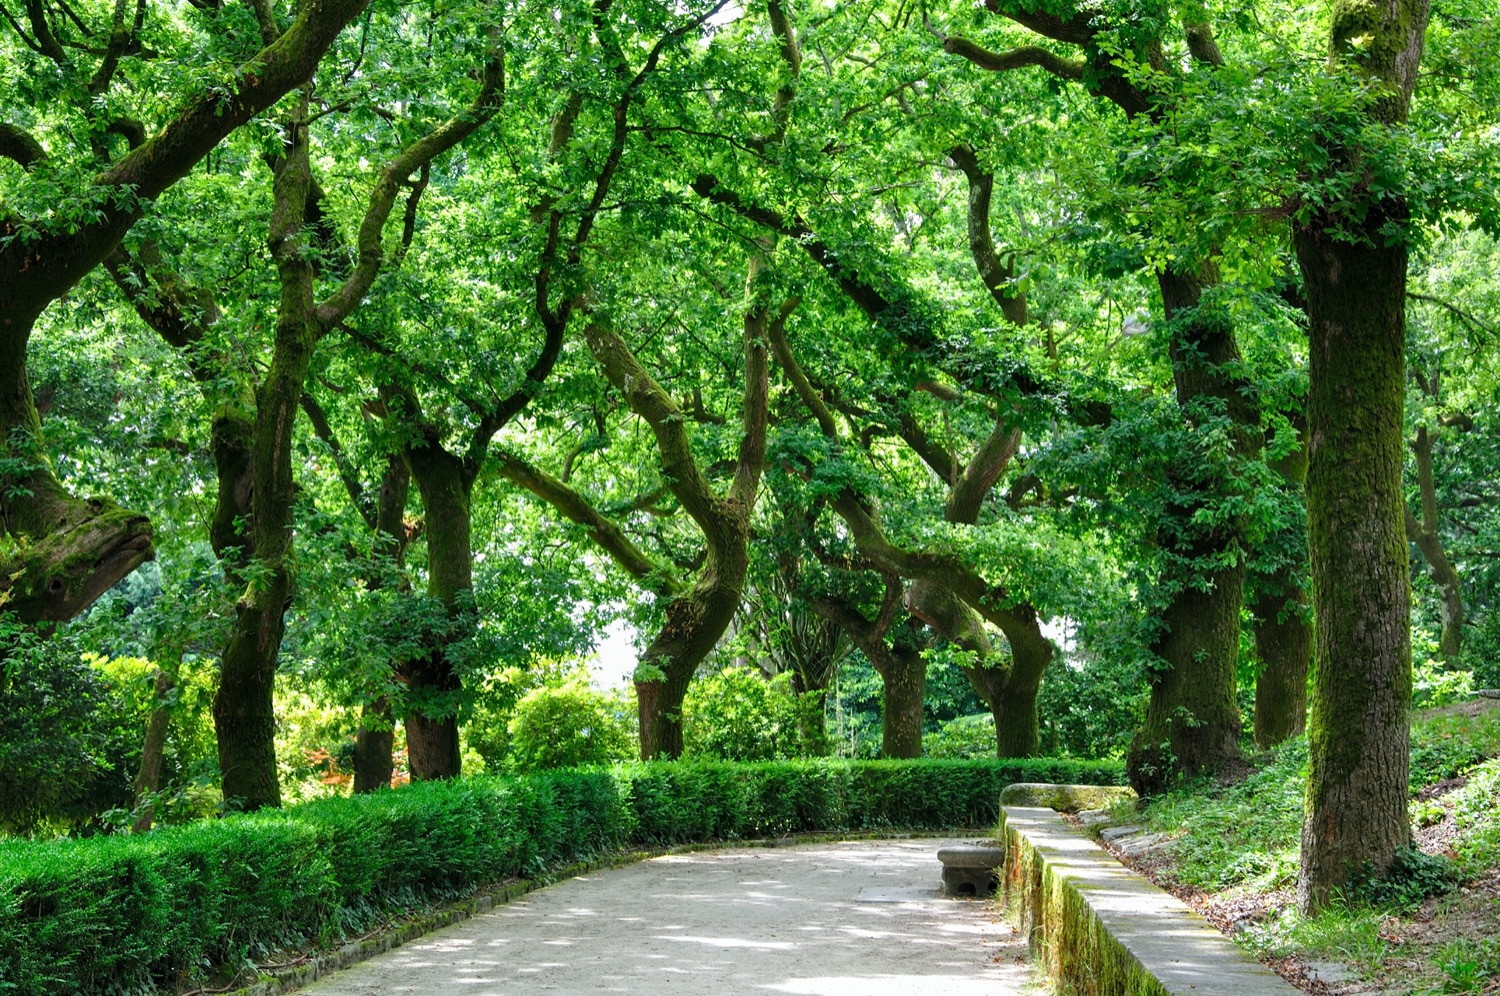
(851, 919)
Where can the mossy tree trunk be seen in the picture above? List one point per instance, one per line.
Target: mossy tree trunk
(1354, 280)
(1192, 720)
(433, 683)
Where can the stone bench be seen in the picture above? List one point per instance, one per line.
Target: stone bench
(971, 868)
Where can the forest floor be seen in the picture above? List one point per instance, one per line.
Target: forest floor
(1229, 849)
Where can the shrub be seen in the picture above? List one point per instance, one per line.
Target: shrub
(737, 714)
(139, 913)
(569, 726)
(970, 737)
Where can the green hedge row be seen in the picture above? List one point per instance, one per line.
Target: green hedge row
(139, 914)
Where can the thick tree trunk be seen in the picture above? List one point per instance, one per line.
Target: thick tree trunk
(1193, 721)
(432, 742)
(1354, 278)
(903, 676)
(374, 746)
(1358, 736)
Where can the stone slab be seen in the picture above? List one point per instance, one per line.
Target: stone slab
(1175, 946)
(1064, 798)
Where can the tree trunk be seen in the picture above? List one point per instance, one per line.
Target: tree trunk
(1283, 642)
(72, 550)
(1193, 721)
(1354, 278)
(1358, 736)
(374, 743)
(374, 746)
(433, 684)
(695, 622)
(1425, 533)
(1281, 615)
(153, 750)
(903, 678)
(1009, 688)
(244, 709)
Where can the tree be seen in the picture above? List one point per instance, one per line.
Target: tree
(1352, 254)
(63, 224)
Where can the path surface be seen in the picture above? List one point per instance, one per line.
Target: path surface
(850, 919)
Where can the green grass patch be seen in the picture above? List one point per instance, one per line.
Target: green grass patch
(141, 914)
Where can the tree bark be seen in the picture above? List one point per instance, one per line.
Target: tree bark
(1354, 280)
(1281, 616)
(244, 710)
(1357, 740)
(1192, 721)
(899, 662)
(432, 744)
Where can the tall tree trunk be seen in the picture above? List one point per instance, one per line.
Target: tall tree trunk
(1354, 279)
(1282, 617)
(432, 744)
(1357, 740)
(244, 709)
(1193, 721)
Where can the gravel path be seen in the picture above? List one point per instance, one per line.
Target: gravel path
(850, 919)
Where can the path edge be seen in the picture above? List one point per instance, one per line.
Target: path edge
(1047, 897)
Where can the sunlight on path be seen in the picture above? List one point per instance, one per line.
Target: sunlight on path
(855, 919)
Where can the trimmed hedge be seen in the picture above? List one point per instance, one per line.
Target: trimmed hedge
(141, 914)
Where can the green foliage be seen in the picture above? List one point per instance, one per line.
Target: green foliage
(965, 737)
(738, 714)
(66, 740)
(1477, 819)
(140, 913)
(1467, 965)
(1412, 877)
(569, 725)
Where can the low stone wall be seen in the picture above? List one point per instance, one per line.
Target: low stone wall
(1100, 929)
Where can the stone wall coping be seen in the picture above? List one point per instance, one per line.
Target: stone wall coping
(1103, 929)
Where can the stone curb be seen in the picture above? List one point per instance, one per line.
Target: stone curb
(275, 982)
(1100, 929)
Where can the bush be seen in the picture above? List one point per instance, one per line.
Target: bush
(969, 737)
(739, 715)
(143, 913)
(569, 726)
(68, 746)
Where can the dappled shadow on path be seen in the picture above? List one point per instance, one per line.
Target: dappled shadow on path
(861, 919)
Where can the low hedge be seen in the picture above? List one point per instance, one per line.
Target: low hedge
(142, 914)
